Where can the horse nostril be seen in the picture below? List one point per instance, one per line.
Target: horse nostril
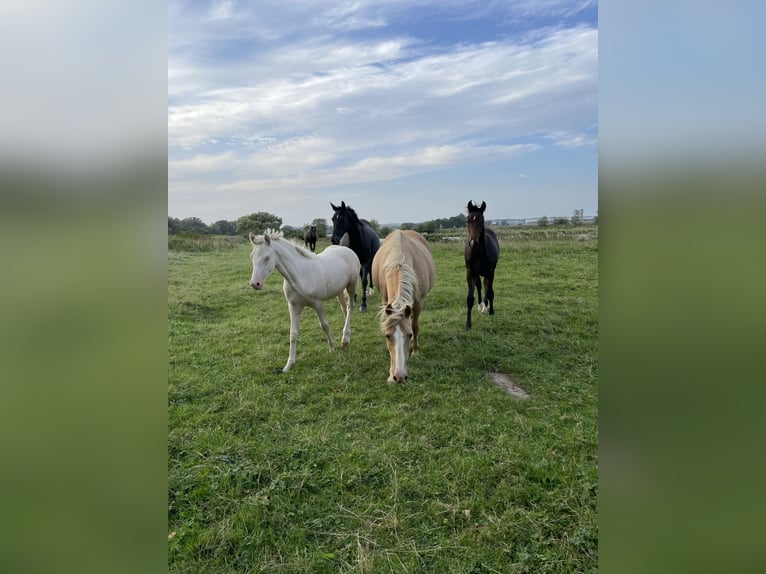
(255, 285)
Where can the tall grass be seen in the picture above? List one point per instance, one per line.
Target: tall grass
(328, 468)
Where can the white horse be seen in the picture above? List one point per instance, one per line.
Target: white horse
(310, 280)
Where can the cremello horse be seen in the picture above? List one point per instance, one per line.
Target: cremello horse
(404, 271)
(310, 280)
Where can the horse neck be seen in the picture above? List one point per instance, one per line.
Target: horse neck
(354, 232)
(287, 262)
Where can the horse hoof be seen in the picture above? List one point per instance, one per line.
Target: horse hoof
(345, 344)
(287, 368)
(363, 309)
(482, 308)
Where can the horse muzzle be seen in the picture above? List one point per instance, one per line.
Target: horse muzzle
(257, 285)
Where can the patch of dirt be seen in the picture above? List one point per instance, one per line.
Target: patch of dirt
(505, 383)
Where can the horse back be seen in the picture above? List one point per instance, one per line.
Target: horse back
(421, 260)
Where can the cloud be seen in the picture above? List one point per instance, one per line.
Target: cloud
(478, 87)
(295, 98)
(272, 170)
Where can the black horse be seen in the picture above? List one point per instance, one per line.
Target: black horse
(362, 238)
(481, 254)
(310, 238)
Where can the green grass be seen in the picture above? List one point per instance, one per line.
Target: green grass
(328, 468)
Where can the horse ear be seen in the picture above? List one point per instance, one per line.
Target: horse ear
(252, 238)
(407, 311)
(343, 204)
(470, 205)
(333, 207)
(389, 309)
(267, 237)
(483, 206)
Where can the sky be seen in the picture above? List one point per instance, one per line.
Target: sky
(404, 109)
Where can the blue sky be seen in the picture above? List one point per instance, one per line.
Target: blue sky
(405, 109)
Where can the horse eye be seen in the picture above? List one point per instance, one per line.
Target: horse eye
(388, 336)
(411, 335)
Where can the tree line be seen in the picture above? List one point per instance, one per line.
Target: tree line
(258, 222)
(255, 222)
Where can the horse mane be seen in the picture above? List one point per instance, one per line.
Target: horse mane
(277, 235)
(408, 282)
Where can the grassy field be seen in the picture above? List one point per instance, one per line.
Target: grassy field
(328, 468)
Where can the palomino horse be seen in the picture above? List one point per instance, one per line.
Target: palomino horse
(310, 280)
(404, 271)
(362, 238)
(310, 238)
(482, 251)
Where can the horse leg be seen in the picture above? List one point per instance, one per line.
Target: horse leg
(365, 272)
(347, 306)
(489, 291)
(469, 299)
(416, 307)
(482, 303)
(295, 319)
(325, 325)
(370, 285)
(344, 298)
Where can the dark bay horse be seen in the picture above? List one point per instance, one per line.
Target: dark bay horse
(482, 251)
(310, 238)
(363, 240)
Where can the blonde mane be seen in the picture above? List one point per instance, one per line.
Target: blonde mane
(408, 282)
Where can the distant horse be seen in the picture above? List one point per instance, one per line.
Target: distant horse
(310, 238)
(310, 280)
(482, 251)
(404, 272)
(362, 238)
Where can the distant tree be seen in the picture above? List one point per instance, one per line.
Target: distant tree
(543, 221)
(292, 232)
(576, 217)
(321, 225)
(384, 231)
(407, 226)
(560, 221)
(426, 227)
(174, 225)
(375, 225)
(258, 223)
(223, 227)
(457, 221)
(194, 225)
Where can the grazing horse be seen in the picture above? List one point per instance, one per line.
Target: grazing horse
(482, 251)
(310, 280)
(404, 272)
(310, 238)
(362, 239)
